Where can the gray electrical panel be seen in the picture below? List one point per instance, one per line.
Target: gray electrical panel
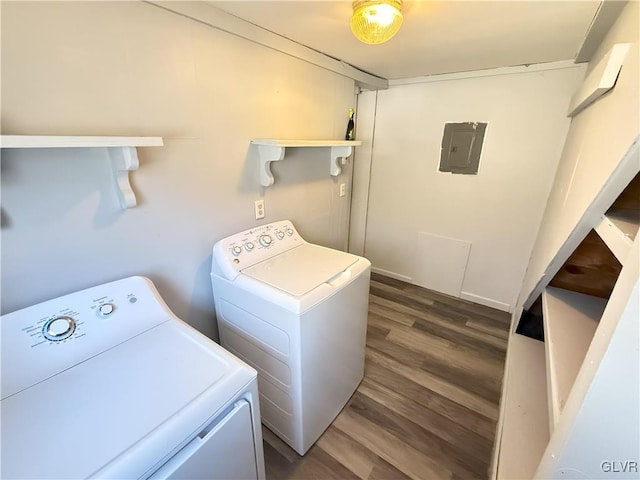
(461, 147)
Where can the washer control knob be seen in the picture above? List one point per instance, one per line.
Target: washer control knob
(236, 251)
(289, 231)
(58, 328)
(265, 240)
(249, 246)
(106, 309)
(280, 235)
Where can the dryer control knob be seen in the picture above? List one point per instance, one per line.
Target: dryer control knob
(248, 246)
(289, 231)
(236, 251)
(58, 328)
(280, 235)
(265, 240)
(105, 309)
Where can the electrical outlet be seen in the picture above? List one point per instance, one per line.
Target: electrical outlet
(259, 206)
(343, 189)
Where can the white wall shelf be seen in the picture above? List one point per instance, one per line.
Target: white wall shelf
(618, 229)
(273, 150)
(600, 80)
(570, 321)
(122, 152)
(524, 434)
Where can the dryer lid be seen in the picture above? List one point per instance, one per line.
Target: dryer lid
(301, 269)
(120, 412)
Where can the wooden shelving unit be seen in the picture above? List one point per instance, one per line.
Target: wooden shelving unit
(578, 309)
(122, 152)
(273, 150)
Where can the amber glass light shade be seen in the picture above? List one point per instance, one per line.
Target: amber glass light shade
(376, 21)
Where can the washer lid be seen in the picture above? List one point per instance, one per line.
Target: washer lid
(301, 269)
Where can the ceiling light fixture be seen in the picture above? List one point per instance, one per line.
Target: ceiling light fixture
(376, 21)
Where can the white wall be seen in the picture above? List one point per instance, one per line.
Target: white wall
(497, 211)
(130, 68)
(598, 138)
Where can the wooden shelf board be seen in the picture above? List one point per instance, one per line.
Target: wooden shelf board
(617, 229)
(305, 143)
(570, 321)
(628, 221)
(592, 268)
(40, 141)
(525, 432)
(619, 226)
(600, 79)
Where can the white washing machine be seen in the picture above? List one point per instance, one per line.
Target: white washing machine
(297, 313)
(107, 383)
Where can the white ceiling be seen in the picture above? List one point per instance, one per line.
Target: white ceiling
(436, 36)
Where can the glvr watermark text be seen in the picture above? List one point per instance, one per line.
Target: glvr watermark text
(612, 466)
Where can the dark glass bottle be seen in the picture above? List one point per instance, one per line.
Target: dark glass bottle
(351, 133)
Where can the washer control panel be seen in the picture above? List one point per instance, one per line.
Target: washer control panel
(50, 337)
(233, 254)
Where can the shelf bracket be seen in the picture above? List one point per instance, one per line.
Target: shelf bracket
(123, 160)
(268, 154)
(339, 156)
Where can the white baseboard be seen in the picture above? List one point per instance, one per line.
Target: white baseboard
(487, 302)
(387, 273)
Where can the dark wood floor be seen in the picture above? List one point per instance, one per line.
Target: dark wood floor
(428, 405)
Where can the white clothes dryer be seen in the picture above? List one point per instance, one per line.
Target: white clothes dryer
(107, 383)
(297, 313)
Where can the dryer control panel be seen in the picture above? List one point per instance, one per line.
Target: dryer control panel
(234, 253)
(43, 340)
